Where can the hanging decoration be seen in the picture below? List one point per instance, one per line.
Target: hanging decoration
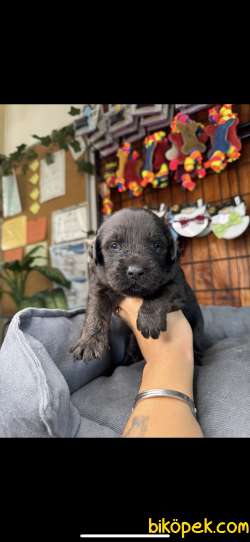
(228, 220)
(127, 176)
(155, 169)
(225, 144)
(185, 155)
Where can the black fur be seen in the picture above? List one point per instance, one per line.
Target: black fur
(135, 255)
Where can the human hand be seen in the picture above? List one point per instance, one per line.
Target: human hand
(170, 357)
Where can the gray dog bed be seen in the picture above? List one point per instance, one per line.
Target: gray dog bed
(44, 394)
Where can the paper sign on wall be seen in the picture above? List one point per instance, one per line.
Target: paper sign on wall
(12, 255)
(11, 198)
(70, 224)
(52, 177)
(36, 230)
(71, 259)
(14, 233)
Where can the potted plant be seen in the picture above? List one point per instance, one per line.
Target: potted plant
(14, 275)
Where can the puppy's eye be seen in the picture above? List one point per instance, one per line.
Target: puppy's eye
(114, 245)
(157, 245)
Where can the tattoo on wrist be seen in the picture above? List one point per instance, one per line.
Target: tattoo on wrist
(139, 423)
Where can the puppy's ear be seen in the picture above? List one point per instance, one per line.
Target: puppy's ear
(97, 251)
(173, 245)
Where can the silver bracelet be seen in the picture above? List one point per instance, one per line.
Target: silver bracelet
(166, 393)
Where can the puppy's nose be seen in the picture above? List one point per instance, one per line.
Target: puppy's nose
(134, 271)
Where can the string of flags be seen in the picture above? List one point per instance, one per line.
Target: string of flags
(187, 153)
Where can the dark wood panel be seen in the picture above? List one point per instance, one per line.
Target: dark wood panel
(188, 272)
(203, 276)
(205, 297)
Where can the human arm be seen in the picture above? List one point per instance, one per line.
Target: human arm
(170, 365)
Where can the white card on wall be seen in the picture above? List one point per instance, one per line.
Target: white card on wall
(70, 223)
(11, 198)
(52, 177)
(71, 259)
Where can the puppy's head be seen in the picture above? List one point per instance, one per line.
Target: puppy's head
(136, 251)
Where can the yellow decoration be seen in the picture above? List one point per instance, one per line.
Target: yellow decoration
(34, 179)
(14, 233)
(34, 165)
(34, 194)
(34, 208)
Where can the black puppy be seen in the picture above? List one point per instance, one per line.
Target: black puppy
(135, 255)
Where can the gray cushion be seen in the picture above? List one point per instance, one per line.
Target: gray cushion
(223, 322)
(34, 364)
(222, 392)
(223, 389)
(44, 394)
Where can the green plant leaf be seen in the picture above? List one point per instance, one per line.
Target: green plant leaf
(32, 301)
(51, 299)
(2, 158)
(6, 167)
(75, 146)
(17, 156)
(60, 298)
(59, 137)
(31, 154)
(69, 130)
(85, 167)
(12, 266)
(49, 158)
(74, 111)
(44, 140)
(53, 274)
(29, 258)
(46, 298)
(21, 148)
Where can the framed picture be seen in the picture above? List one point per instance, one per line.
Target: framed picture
(179, 107)
(146, 109)
(119, 119)
(70, 223)
(103, 142)
(160, 117)
(130, 129)
(101, 128)
(192, 108)
(87, 121)
(136, 136)
(111, 149)
(159, 124)
(112, 109)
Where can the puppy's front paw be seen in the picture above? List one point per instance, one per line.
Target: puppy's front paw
(92, 348)
(151, 325)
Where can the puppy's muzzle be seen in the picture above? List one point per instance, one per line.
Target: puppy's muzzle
(135, 272)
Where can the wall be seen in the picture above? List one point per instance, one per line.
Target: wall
(2, 127)
(23, 120)
(76, 192)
